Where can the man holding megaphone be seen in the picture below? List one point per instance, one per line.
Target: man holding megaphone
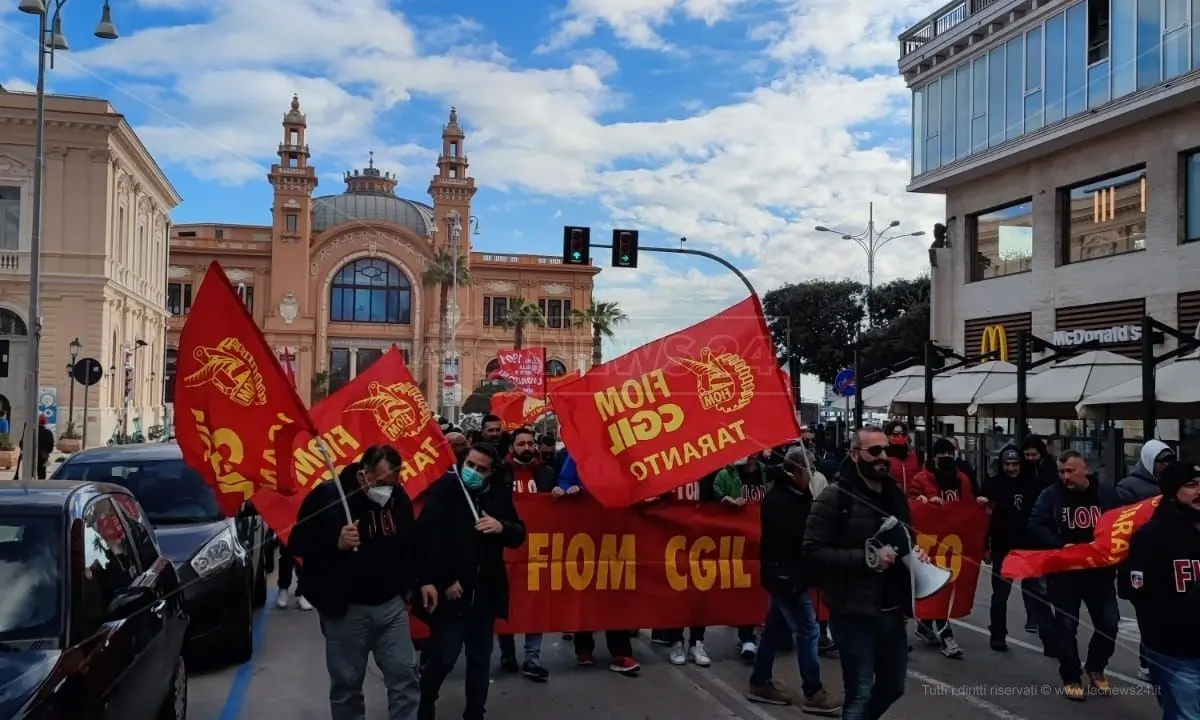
(857, 536)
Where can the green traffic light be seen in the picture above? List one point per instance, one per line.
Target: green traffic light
(576, 255)
(625, 259)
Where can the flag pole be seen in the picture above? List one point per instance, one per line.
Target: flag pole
(337, 482)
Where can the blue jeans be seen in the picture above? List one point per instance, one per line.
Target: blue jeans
(790, 615)
(379, 630)
(1068, 594)
(532, 649)
(874, 654)
(449, 634)
(1178, 683)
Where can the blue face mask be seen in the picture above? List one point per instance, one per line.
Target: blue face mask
(472, 478)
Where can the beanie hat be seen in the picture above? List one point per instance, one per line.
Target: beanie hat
(1035, 442)
(1176, 475)
(1010, 453)
(943, 446)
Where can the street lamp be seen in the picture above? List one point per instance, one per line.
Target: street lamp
(74, 347)
(451, 360)
(871, 241)
(50, 38)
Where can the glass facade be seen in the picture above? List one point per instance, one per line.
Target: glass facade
(1105, 217)
(1192, 196)
(1092, 53)
(1001, 241)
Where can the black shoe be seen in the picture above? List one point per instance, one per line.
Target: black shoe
(509, 664)
(999, 644)
(1031, 628)
(535, 672)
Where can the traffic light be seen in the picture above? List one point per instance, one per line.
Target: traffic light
(577, 246)
(625, 248)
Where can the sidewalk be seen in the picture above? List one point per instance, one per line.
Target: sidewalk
(55, 459)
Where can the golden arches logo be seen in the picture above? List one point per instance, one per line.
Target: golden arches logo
(399, 409)
(724, 382)
(994, 340)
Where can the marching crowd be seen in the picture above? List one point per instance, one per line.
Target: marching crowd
(820, 510)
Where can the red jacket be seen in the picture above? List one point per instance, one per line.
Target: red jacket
(925, 485)
(904, 471)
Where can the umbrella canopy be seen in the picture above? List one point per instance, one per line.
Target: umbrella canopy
(1177, 391)
(954, 393)
(880, 394)
(1054, 393)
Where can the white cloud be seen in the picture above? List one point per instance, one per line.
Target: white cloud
(843, 33)
(18, 85)
(634, 22)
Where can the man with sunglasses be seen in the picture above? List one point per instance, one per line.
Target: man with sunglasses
(869, 603)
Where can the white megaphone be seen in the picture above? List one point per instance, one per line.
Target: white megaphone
(927, 578)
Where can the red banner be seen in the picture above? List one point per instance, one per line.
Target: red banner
(1112, 535)
(517, 409)
(677, 564)
(235, 412)
(677, 409)
(381, 405)
(525, 368)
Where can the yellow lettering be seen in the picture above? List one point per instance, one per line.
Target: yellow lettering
(610, 566)
(725, 571)
(703, 571)
(686, 452)
(618, 564)
(944, 552)
(677, 580)
(539, 560)
(633, 393)
(644, 425)
(425, 456)
(581, 565)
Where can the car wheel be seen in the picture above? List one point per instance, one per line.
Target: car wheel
(174, 707)
(260, 587)
(240, 644)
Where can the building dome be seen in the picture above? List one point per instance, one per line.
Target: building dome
(371, 196)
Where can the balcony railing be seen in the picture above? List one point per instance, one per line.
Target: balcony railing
(11, 263)
(945, 19)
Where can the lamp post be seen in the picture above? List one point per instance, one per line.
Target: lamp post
(49, 39)
(871, 241)
(75, 347)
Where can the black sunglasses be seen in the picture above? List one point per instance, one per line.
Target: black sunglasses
(875, 450)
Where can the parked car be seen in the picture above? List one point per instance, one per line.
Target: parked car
(92, 623)
(220, 561)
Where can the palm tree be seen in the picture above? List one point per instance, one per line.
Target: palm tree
(602, 318)
(521, 314)
(441, 272)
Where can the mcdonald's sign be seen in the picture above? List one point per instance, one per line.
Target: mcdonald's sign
(995, 339)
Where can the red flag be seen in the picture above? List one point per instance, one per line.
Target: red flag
(516, 409)
(235, 412)
(288, 370)
(525, 368)
(677, 409)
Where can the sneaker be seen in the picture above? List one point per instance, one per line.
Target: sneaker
(678, 654)
(951, 649)
(281, 600)
(998, 643)
(821, 703)
(699, 655)
(748, 651)
(768, 695)
(1074, 691)
(1032, 628)
(303, 603)
(624, 666)
(535, 672)
(585, 659)
(1144, 674)
(509, 664)
(1100, 683)
(927, 634)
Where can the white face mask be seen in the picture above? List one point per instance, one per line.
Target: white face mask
(380, 494)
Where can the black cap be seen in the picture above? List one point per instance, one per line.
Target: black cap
(1010, 453)
(943, 446)
(1176, 475)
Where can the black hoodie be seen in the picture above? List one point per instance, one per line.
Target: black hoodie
(382, 567)
(1012, 500)
(1161, 576)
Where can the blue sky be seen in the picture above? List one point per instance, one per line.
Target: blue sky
(739, 124)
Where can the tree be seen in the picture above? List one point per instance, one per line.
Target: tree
(444, 271)
(602, 318)
(521, 314)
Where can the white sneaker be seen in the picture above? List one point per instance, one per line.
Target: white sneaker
(1144, 674)
(748, 650)
(699, 655)
(678, 654)
(303, 603)
(281, 601)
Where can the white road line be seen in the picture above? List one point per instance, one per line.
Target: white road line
(728, 690)
(945, 688)
(1038, 649)
(702, 692)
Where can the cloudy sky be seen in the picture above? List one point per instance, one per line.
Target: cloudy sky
(739, 124)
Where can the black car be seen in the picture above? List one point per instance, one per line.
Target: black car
(92, 623)
(220, 560)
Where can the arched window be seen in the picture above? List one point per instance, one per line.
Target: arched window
(11, 323)
(170, 363)
(555, 368)
(370, 291)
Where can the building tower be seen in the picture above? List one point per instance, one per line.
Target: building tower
(370, 181)
(452, 188)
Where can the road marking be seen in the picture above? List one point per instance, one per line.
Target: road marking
(235, 701)
(740, 700)
(978, 703)
(1039, 649)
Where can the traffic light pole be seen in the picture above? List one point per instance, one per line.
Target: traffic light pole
(698, 253)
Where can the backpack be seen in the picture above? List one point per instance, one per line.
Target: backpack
(844, 508)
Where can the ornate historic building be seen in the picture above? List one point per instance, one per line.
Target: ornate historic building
(334, 280)
(106, 214)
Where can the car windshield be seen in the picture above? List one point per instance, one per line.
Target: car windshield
(170, 492)
(31, 573)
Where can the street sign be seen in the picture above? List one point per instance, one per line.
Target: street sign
(48, 406)
(845, 382)
(87, 371)
(449, 381)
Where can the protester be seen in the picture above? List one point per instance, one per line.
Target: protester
(868, 605)
(1142, 483)
(458, 445)
(491, 431)
(1010, 495)
(1066, 514)
(745, 482)
(786, 578)
(1158, 577)
(359, 576)
(1038, 460)
(287, 569)
(524, 472)
(548, 450)
(941, 483)
(45, 446)
(903, 461)
(964, 467)
(467, 522)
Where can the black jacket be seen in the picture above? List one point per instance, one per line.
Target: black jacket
(382, 567)
(837, 545)
(1061, 516)
(451, 550)
(536, 477)
(1012, 501)
(1161, 576)
(784, 512)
